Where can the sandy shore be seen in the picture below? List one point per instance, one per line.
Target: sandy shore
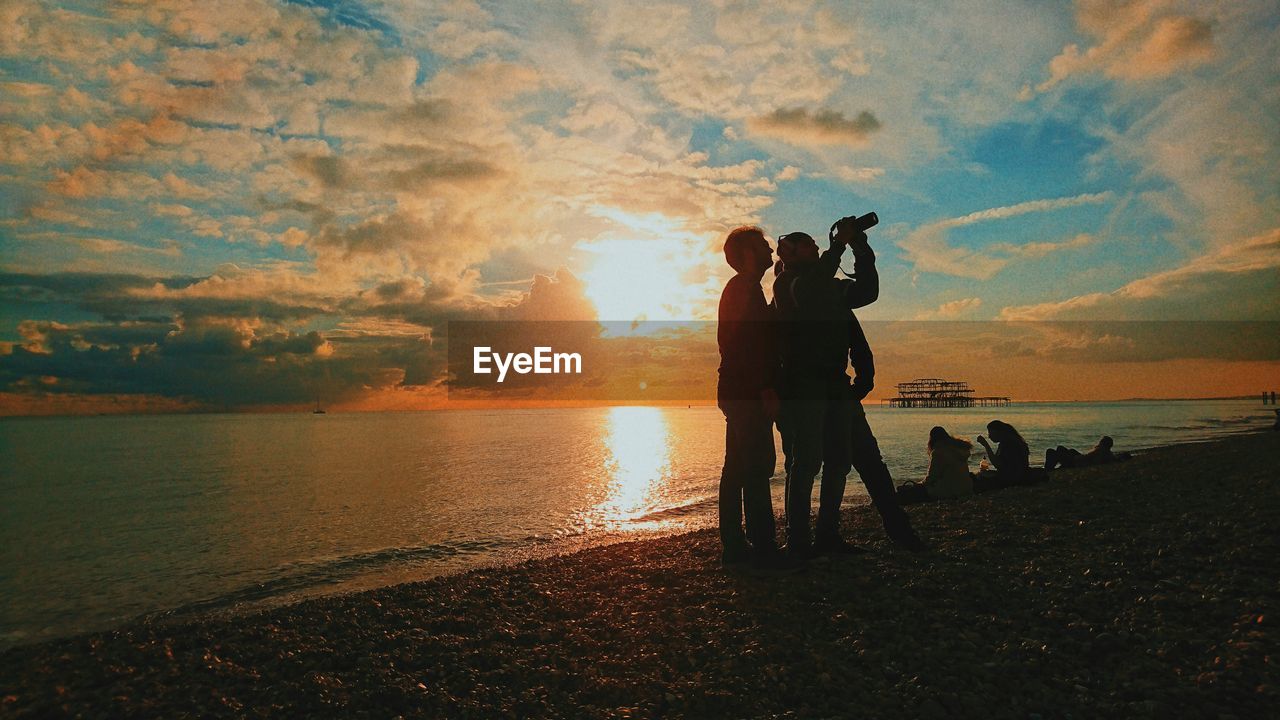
(1143, 589)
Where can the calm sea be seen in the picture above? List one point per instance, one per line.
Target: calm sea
(103, 519)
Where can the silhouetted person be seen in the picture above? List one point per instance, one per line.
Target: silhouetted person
(747, 395)
(948, 475)
(815, 388)
(1011, 460)
(861, 289)
(1066, 457)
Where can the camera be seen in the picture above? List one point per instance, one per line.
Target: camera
(848, 227)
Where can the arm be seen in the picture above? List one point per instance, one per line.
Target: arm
(992, 455)
(802, 289)
(829, 260)
(864, 287)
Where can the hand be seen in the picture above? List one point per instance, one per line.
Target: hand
(861, 388)
(983, 442)
(844, 231)
(772, 405)
(837, 238)
(859, 243)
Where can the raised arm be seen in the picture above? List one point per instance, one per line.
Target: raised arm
(864, 287)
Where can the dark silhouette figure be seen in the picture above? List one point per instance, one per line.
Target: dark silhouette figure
(1277, 425)
(1011, 459)
(1100, 454)
(823, 422)
(861, 289)
(815, 417)
(948, 475)
(746, 393)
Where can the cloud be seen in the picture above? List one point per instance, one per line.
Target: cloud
(952, 309)
(216, 341)
(822, 127)
(927, 249)
(1040, 249)
(373, 174)
(1135, 40)
(1236, 281)
(859, 175)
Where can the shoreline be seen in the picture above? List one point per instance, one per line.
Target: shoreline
(226, 607)
(1084, 596)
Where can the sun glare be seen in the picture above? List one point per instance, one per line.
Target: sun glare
(649, 269)
(639, 445)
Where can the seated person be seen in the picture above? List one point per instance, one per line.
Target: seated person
(1066, 457)
(1011, 459)
(948, 474)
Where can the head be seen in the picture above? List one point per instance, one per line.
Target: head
(937, 436)
(797, 249)
(747, 252)
(1106, 442)
(1001, 431)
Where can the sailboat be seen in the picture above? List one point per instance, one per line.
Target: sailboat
(319, 410)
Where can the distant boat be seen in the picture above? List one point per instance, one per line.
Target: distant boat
(318, 410)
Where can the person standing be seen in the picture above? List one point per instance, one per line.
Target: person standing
(747, 395)
(859, 290)
(814, 421)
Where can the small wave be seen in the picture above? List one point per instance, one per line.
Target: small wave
(295, 578)
(678, 511)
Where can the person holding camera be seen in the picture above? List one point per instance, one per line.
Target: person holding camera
(822, 422)
(814, 420)
(861, 289)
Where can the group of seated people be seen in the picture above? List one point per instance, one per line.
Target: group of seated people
(1010, 463)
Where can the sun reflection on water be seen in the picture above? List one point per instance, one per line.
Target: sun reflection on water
(638, 466)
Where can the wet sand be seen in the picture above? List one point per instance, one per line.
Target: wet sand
(1141, 589)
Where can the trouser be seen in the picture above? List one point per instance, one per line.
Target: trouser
(749, 461)
(815, 433)
(866, 459)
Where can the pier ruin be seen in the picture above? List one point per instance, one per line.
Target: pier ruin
(939, 393)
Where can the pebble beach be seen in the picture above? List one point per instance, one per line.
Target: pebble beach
(1146, 588)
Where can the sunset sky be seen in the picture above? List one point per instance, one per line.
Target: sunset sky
(247, 204)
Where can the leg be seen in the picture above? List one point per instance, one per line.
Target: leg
(1069, 457)
(756, 499)
(835, 459)
(788, 438)
(804, 419)
(875, 476)
(732, 540)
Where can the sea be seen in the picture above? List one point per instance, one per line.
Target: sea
(109, 519)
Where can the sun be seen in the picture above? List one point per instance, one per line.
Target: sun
(650, 269)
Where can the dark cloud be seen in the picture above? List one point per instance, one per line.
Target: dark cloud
(373, 236)
(433, 170)
(124, 297)
(239, 352)
(428, 112)
(824, 127)
(219, 363)
(332, 172)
